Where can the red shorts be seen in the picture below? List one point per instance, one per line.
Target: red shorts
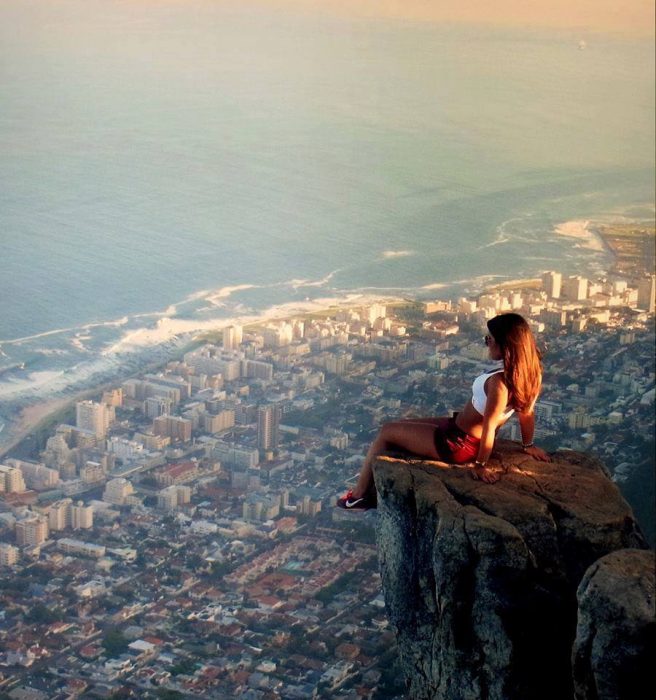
(453, 444)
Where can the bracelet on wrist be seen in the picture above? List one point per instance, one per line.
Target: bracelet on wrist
(478, 463)
(527, 445)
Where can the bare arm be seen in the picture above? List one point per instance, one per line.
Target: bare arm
(495, 407)
(527, 426)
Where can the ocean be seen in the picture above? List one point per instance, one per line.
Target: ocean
(167, 167)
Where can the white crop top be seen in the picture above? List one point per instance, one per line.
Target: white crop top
(479, 397)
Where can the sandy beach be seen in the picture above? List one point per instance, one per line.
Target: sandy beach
(580, 229)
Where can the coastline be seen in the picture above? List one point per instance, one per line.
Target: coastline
(630, 244)
(36, 416)
(580, 231)
(525, 283)
(172, 337)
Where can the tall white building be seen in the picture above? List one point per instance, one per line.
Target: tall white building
(235, 456)
(156, 406)
(255, 369)
(57, 453)
(94, 417)
(81, 516)
(551, 281)
(174, 427)
(515, 300)
(646, 293)
(278, 335)
(173, 496)
(298, 329)
(117, 491)
(490, 303)
(113, 397)
(66, 514)
(32, 531)
(261, 507)
(232, 337)
(211, 360)
(467, 306)
(575, 288)
(267, 426)
(8, 555)
(11, 480)
(92, 472)
(373, 312)
(58, 515)
(36, 476)
(125, 449)
(216, 423)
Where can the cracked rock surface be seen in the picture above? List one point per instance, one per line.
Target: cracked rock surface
(480, 580)
(615, 644)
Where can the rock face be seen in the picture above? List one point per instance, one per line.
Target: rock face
(615, 645)
(480, 580)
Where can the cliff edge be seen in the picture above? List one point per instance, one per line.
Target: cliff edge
(481, 580)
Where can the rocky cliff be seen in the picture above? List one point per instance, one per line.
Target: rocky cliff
(481, 580)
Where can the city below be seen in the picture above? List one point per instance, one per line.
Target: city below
(175, 536)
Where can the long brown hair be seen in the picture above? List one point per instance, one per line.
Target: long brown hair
(522, 368)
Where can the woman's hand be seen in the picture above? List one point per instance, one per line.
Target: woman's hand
(485, 474)
(537, 453)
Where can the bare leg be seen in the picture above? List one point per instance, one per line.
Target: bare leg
(415, 437)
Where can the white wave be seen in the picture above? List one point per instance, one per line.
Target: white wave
(212, 296)
(57, 331)
(504, 237)
(50, 352)
(172, 309)
(479, 280)
(294, 308)
(118, 322)
(139, 348)
(201, 294)
(156, 341)
(225, 292)
(383, 293)
(168, 330)
(578, 229)
(435, 285)
(42, 386)
(150, 314)
(165, 330)
(387, 254)
(295, 284)
(298, 283)
(511, 231)
(499, 240)
(141, 337)
(79, 345)
(34, 381)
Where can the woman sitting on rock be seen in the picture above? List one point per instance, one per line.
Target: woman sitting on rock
(468, 438)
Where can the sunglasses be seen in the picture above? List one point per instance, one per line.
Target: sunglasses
(487, 339)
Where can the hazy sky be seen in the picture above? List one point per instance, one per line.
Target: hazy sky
(632, 16)
(625, 17)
